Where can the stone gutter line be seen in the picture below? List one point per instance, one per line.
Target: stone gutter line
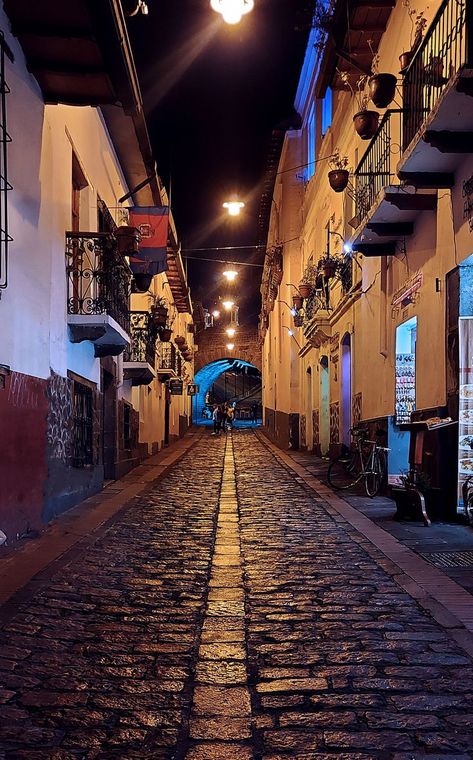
(68, 534)
(445, 600)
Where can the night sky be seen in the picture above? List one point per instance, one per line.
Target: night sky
(213, 93)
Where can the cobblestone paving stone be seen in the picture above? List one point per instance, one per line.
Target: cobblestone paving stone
(99, 664)
(228, 614)
(342, 662)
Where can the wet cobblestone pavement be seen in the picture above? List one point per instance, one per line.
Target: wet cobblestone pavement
(229, 615)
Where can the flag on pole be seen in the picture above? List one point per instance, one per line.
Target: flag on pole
(153, 224)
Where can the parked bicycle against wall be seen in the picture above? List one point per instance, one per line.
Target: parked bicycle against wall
(365, 460)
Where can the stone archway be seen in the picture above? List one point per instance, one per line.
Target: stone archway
(208, 375)
(212, 346)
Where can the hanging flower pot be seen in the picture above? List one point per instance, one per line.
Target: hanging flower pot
(159, 315)
(165, 334)
(405, 59)
(329, 270)
(142, 281)
(305, 289)
(298, 320)
(179, 340)
(366, 123)
(128, 240)
(297, 302)
(338, 179)
(382, 89)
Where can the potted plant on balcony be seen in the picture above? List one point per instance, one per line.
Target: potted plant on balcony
(305, 288)
(142, 281)
(165, 334)
(128, 240)
(365, 121)
(382, 86)
(418, 25)
(328, 266)
(158, 310)
(297, 302)
(179, 340)
(338, 176)
(298, 320)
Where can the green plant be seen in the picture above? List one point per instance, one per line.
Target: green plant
(338, 162)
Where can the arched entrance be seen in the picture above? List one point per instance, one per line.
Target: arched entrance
(232, 380)
(324, 406)
(346, 389)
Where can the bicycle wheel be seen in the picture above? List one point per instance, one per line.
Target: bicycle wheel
(343, 473)
(374, 476)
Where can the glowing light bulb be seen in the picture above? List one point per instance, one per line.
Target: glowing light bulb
(232, 10)
(227, 305)
(215, 314)
(230, 275)
(233, 207)
(294, 312)
(230, 346)
(347, 248)
(289, 332)
(230, 331)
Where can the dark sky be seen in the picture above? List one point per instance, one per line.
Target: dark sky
(213, 93)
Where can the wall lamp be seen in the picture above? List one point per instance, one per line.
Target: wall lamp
(291, 335)
(291, 308)
(347, 247)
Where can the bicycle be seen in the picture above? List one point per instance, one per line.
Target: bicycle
(364, 461)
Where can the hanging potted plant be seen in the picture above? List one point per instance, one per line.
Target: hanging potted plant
(382, 87)
(298, 320)
(328, 266)
(418, 25)
(128, 240)
(305, 288)
(142, 281)
(297, 302)
(179, 340)
(339, 175)
(365, 121)
(165, 334)
(159, 311)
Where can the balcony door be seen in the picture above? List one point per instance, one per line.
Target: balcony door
(109, 422)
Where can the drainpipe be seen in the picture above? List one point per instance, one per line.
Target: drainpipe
(383, 303)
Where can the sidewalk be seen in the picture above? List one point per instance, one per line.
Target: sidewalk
(38, 558)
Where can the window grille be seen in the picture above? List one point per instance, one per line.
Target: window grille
(5, 186)
(82, 426)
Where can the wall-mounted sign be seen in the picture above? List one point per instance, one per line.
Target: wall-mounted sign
(192, 389)
(176, 387)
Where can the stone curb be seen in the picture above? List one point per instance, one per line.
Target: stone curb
(445, 600)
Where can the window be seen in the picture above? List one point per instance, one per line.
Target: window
(311, 142)
(5, 186)
(326, 111)
(82, 426)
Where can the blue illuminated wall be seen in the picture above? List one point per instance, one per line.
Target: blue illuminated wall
(206, 377)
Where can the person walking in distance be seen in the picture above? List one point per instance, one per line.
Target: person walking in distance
(216, 421)
(230, 416)
(254, 412)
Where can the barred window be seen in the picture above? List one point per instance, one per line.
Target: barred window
(82, 426)
(5, 186)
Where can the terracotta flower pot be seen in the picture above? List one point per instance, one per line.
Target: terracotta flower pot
(366, 123)
(159, 315)
(405, 59)
(328, 271)
(382, 89)
(128, 239)
(297, 302)
(305, 289)
(338, 179)
(165, 334)
(142, 281)
(179, 340)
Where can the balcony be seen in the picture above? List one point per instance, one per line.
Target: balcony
(98, 292)
(139, 359)
(385, 210)
(168, 364)
(438, 89)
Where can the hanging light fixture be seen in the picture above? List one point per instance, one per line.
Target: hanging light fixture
(228, 305)
(230, 275)
(232, 10)
(230, 331)
(233, 207)
(230, 346)
(215, 313)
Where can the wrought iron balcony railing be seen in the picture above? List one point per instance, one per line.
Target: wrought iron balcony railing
(377, 168)
(446, 47)
(143, 339)
(98, 277)
(167, 358)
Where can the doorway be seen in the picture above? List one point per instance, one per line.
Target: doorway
(324, 406)
(346, 389)
(309, 408)
(109, 424)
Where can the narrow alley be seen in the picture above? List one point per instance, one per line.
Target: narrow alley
(229, 612)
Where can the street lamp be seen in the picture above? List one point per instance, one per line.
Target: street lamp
(230, 331)
(215, 313)
(230, 275)
(232, 10)
(233, 207)
(228, 305)
(230, 346)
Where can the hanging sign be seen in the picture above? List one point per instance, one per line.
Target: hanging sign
(176, 387)
(192, 389)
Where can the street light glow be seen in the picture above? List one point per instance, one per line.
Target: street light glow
(230, 275)
(230, 331)
(289, 332)
(232, 10)
(230, 346)
(227, 305)
(233, 207)
(215, 314)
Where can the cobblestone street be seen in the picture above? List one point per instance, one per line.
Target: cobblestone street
(230, 614)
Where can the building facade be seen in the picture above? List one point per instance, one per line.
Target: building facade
(377, 272)
(84, 363)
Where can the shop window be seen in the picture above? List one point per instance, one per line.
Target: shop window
(311, 143)
(406, 334)
(82, 426)
(327, 111)
(127, 426)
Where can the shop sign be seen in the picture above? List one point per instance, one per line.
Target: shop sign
(192, 389)
(407, 294)
(467, 194)
(176, 387)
